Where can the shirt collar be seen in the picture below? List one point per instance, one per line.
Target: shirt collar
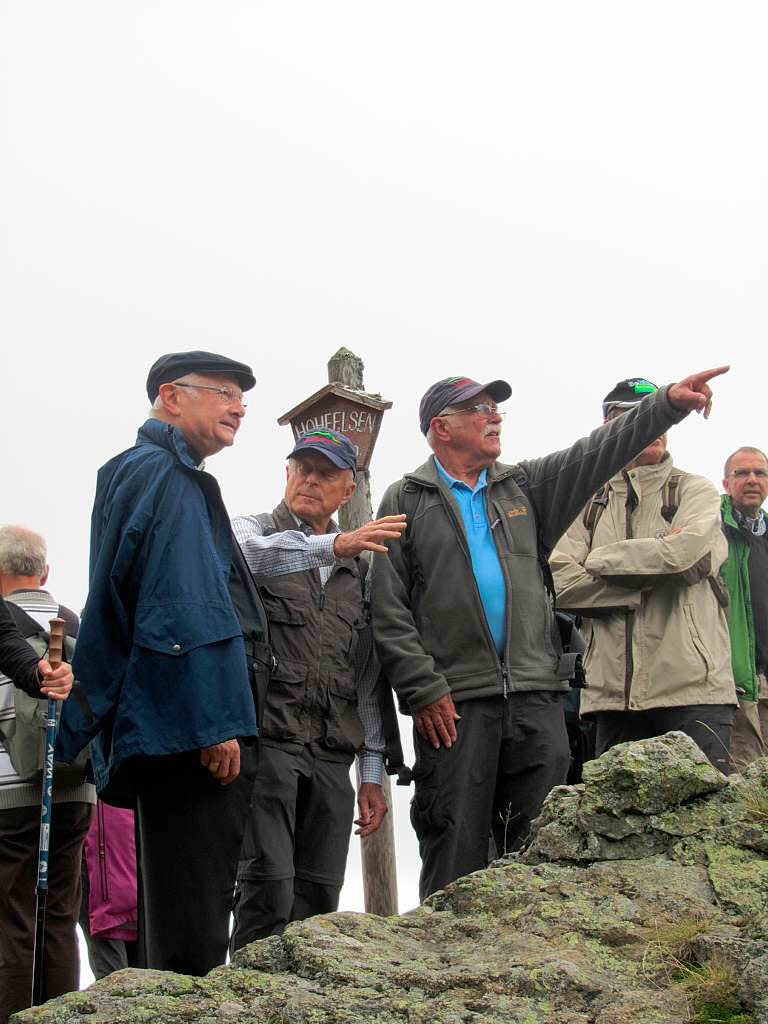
(307, 530)
(482, 480)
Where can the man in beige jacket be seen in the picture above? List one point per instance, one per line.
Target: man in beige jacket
(640, 565)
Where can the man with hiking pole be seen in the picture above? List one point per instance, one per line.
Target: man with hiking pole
(28, 934)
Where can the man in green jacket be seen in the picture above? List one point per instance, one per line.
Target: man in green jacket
(464, 622)
(745, 573)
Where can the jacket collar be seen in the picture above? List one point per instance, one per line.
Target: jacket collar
(165, 435)
(427, 474)
(649, 477)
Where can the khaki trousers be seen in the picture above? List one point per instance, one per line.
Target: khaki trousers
(750, 728)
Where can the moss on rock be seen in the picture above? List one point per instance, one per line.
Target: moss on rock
(582, 927)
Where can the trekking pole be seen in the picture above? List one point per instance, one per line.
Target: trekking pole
(55, 656)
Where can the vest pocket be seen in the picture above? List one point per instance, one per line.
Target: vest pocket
(281, 608)
(285, 695)
(343, 728)
(353, 622)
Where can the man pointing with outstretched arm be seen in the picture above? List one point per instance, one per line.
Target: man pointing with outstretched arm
(463, 613)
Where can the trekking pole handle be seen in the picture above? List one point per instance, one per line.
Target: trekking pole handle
(56, 642)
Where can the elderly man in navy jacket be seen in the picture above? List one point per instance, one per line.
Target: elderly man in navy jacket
(173, 654)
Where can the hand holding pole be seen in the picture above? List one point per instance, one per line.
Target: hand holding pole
(55, 658)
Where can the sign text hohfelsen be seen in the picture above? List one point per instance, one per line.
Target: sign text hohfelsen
(336, 407)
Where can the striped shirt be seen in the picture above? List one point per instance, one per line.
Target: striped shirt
(248, 531)
(15, 791)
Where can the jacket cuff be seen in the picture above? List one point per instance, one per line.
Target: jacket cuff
(428, 695)
(672, 410)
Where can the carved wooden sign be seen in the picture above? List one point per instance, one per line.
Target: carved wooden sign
(353, 413)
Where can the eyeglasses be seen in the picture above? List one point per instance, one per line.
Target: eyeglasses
(228, 396)
(742, 474)
(484, 408)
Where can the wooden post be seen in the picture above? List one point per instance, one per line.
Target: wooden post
(378, 850)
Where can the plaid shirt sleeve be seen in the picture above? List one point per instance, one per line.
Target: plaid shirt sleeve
(369, 677)
(280, 553)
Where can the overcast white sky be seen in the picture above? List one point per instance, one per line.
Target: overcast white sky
(560, 194)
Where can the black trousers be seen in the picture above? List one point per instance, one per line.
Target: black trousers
(296, 844)
(19, 840)
(489, 785)
(189, 829)
(708, 725)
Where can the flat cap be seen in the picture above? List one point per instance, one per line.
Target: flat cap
(177, 364)
(453, 390)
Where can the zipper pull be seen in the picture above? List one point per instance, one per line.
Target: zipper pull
(505, 678)
(322, 599)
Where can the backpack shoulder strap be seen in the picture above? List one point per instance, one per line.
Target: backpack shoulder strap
(407, 500)
(521, 479)
(594, 509)
(670, 502)
(27, 625)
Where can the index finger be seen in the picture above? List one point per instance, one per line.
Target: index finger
(709, 374)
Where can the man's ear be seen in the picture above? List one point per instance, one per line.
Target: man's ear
(44, 577)
(439, 428)
(726, 486)
(169, 396)
(351, 488)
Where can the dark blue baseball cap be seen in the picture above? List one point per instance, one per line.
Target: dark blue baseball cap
(627, 393)
(454, 390)
(336, 447)
(177, 364)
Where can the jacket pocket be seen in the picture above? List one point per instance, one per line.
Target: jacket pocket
(178, 627)
(285, 697)
(697, 638)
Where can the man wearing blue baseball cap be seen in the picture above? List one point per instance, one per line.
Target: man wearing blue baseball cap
(463, 613)
(322, 708)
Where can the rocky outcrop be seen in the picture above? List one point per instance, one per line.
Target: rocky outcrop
(641, 898)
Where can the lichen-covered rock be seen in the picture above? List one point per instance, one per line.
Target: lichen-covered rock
(650, 775)
(621, 910)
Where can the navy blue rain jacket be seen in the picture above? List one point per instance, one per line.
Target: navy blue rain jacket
(160, 654)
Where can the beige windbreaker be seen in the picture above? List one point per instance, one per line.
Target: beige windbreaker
(657, 636)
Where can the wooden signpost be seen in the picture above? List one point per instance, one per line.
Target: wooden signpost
(344, 406)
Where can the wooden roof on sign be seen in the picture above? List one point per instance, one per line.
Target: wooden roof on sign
(341, 391)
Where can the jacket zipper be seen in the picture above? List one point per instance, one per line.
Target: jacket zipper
(630, 616)
(102, 853)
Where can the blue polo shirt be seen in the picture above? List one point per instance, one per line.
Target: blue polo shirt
(482, 549)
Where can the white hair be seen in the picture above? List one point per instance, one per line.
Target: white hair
(22, 552)
(430, 432)
(188, 378)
